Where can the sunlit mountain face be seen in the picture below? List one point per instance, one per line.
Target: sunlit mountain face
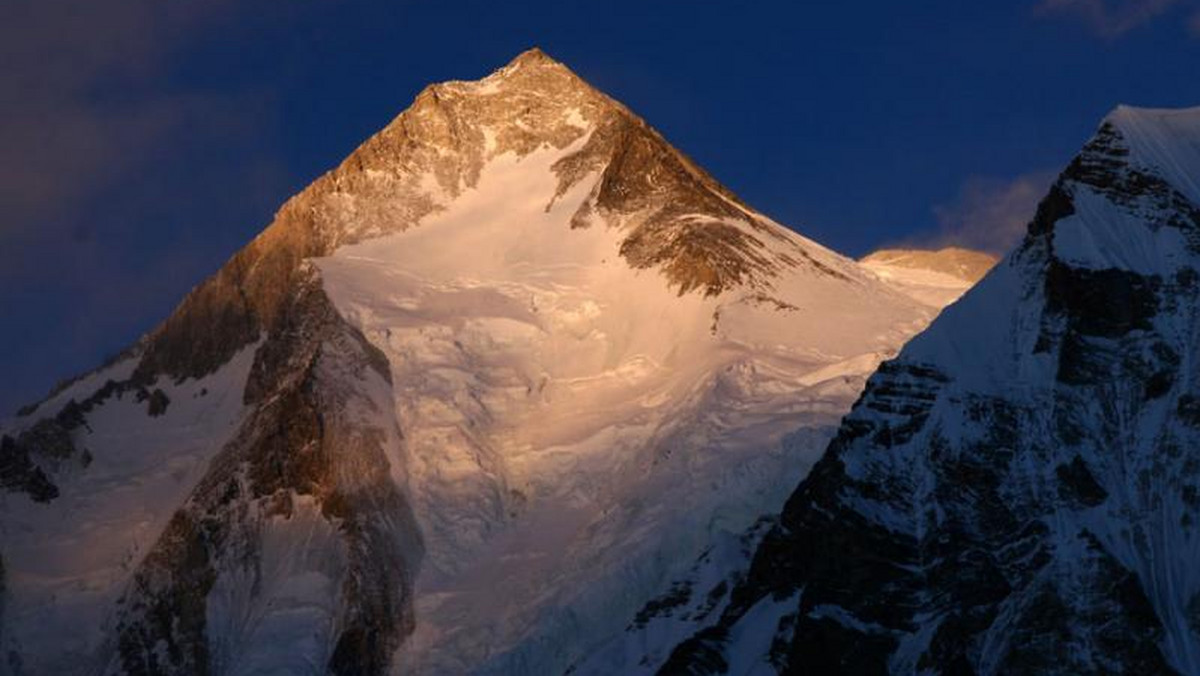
(519, 388)
(471, 401)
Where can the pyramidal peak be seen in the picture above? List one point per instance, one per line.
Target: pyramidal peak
(533, 57)
(516, 356)
(671, 216)
(532, 70)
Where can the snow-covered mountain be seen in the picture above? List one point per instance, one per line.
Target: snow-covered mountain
(962, 264)
(469, 402)
(938, 277)
(1017, 492)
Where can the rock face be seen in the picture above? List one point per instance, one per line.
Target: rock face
(465, 405)
(302, 455)
(676, 216)
(1016, 492)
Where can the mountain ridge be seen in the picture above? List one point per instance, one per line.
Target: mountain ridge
(243, 298)
(966, 264)
(1013, 493)
(938, 277)
(513, 332)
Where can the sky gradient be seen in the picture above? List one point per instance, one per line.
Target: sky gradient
(142, 143)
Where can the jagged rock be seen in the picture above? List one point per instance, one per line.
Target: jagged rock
(19, 473)
(1016, 492)
(157, 403)
(299, 444)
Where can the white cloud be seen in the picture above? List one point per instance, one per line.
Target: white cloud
(1109, 18)
(991, 214)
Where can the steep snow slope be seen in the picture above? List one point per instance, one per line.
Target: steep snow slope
(575, 428)
(1017, 491)
(471, 399)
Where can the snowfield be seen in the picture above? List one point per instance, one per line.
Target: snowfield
(576, 431)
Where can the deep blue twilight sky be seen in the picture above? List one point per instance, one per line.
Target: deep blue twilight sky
(143, 141)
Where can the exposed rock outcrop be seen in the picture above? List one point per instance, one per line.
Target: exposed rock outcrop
(1015, 493)
(305, 441)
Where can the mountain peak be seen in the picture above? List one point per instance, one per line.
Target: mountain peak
(514, 352)
(935, 277)
(533, 56)
(532, 70)
(678, 218)
(1165, 140)
(1004, 497)
(1141, 166)
(673, 217)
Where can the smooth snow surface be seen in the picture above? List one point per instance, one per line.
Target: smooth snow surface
(576, 431)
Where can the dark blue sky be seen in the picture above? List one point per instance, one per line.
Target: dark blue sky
(143, 142)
